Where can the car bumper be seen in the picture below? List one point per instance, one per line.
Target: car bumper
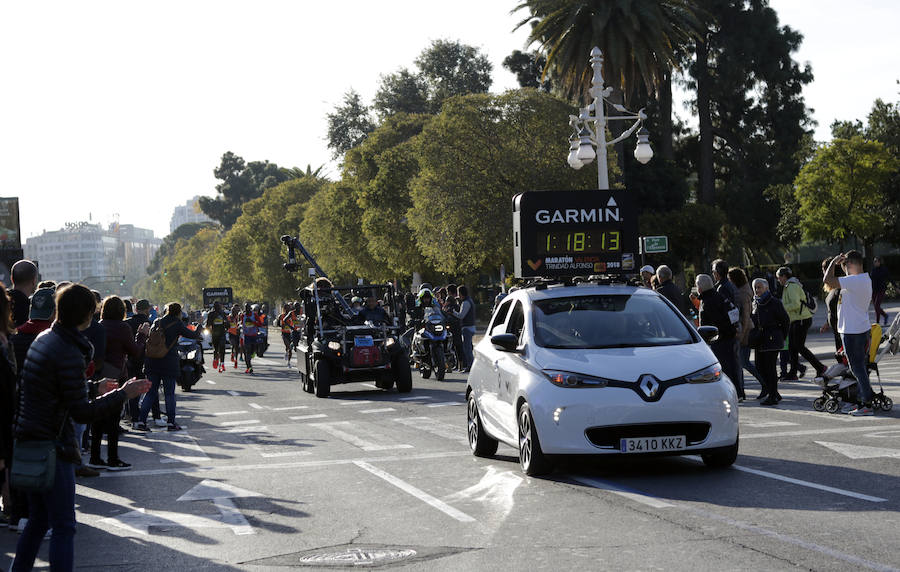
(592, 420)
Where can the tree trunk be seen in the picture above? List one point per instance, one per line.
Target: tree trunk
(869, 253)
(706, 174)
(666, 134)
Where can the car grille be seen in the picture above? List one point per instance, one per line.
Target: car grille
(609, 437)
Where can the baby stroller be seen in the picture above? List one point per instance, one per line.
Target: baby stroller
(838, 384)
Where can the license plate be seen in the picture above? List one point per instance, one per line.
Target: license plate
(363, 341)
(653, 444)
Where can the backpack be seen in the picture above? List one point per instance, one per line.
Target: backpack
(156, 343)
(734, 316)
(810, 301)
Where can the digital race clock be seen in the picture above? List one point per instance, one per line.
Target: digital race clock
(574, 233)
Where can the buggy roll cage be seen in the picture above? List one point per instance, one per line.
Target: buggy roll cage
(293, 245)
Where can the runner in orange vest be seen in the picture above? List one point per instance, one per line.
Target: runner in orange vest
(287, 321)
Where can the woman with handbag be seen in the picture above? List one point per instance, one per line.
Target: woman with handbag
(52, 396)
(770, 329)
(120, 344)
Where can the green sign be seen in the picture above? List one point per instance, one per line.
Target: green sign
(656, 244)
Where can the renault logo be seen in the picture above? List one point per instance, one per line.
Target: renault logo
(649, 385)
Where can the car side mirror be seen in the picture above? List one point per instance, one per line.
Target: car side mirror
(506, 342)
(708, 333)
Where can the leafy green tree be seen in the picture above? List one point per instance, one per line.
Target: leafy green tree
(332, 232)
(639, 40)
(452, 68)
(474, 157)
(840, 193)
(250, 256)
(183, 232)
(382, 167)
(694, 231)
(348, 124)
(529, 69)
(401, 92)
(241, 182)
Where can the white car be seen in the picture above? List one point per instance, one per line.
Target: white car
(599, 370)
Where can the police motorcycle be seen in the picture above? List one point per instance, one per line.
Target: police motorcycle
(431, 347)
(190, 360)
(337, 344)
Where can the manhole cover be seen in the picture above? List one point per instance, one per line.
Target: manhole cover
(358, 555)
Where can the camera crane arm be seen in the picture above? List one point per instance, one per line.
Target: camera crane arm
(293, 245)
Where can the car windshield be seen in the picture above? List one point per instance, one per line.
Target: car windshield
(608, 321)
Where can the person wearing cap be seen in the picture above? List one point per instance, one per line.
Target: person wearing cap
(647, 274)
(40, 317)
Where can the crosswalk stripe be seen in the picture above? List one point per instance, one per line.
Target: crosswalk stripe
(336, 429)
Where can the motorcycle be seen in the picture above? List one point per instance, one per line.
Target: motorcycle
(190, 355)
(431, 344)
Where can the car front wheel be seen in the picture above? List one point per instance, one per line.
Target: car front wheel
(723, 458)
(482, 444)
(531, 457)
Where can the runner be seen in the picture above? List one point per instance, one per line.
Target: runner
(250, 324)
(287, 321)
(216, 323)
(234, 333)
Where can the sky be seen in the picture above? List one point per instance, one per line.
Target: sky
(114, 110)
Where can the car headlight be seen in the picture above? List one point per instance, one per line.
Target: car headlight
(570, 379)
(390, 342)
(709, 374)
(334, 346)
(207, 332)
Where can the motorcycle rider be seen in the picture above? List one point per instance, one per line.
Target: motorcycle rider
(424, 300)
(250, 324)
(217, 323)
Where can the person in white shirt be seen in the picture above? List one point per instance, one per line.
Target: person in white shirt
(853, 321)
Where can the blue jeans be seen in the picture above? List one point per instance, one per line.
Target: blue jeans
(855, 346)
(152, 396)
(53, 509)
(748, 365)
(468, 332)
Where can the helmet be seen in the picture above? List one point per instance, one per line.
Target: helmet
(422, 294)
(356, 300)
(647, 268)
(255, 307)
(425, 286)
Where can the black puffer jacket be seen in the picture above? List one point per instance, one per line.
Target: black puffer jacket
(53, 381)
(771, 321)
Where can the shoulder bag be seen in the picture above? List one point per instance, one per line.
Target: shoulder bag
(34, 463)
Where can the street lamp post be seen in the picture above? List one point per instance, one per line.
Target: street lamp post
(590, 128)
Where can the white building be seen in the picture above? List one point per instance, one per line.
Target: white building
(88, 253)
(188, 212)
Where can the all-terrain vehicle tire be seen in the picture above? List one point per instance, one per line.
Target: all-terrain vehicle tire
(402, 374)
(322, 381)
(425, 372)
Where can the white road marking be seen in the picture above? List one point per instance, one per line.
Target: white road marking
(332, 429)
(226, 469)
(233, 393)
(360, 402)
(256, 406)
(418, 493)
(832, 417)
(415, 398)
(209, 381)
(247, 429)
(802, 483)
(445, 403)
(208, 489)
(439, 428)
(241, 422)
(764, 424)
(183, 446)
(285, 454)
(232, 517)
(802, 432)
(229, 412)
(860, 451)
(302, 417)
(623, 492)
(379, 410)
(290, 408)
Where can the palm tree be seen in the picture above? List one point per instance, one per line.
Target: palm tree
(640, 40)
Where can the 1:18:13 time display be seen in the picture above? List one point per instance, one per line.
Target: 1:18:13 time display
(563, 242)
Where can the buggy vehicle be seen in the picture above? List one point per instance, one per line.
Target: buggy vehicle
(838, 384)
(339, 344)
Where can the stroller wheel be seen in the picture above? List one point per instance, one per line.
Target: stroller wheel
(887, 403)
(819, 404)
(832, 406)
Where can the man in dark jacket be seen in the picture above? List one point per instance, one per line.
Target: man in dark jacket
(24, 276)
(729, 291)
(165, 370)
(53, 396)
(136, 366)
(714, 309)
(40, 316)
(668, 289)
